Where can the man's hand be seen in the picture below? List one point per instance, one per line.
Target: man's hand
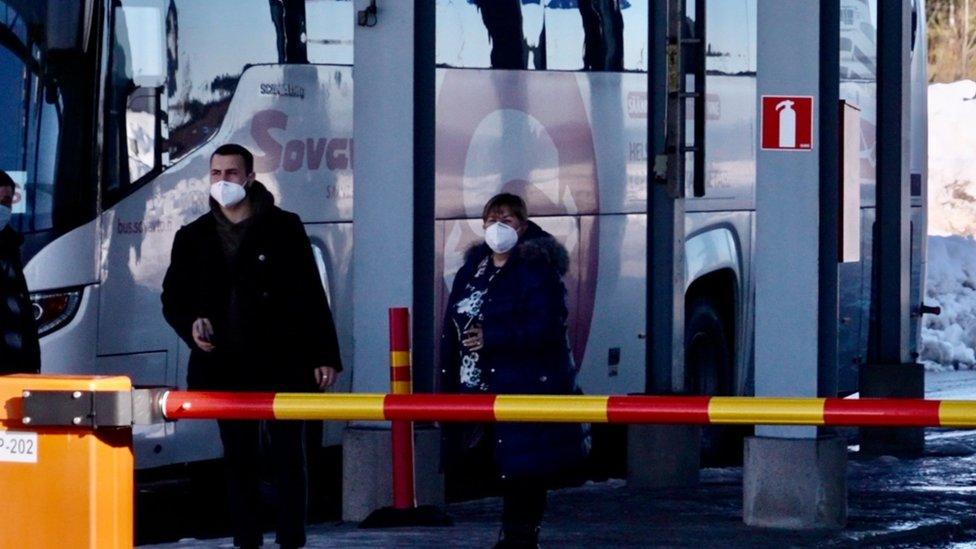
(325, 376)
(203, 334)
(474, 338)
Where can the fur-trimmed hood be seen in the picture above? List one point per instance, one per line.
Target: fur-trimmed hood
(535, 243)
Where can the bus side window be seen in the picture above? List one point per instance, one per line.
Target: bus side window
(329, 30)
(134, 113)
(141, 125)
(203, 66)
(15, 110)
(693, 67)
(728, 167)
(563, 35)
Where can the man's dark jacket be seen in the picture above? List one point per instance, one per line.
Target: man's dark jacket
(525, 352)
(284, 322)
(19, 349)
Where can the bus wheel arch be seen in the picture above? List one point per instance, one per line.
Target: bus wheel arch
(710, 313)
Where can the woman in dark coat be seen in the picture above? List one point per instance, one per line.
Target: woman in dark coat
(505, 332)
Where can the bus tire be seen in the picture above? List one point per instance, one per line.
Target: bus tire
(708, 371)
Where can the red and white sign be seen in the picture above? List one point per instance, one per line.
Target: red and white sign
(787, 123)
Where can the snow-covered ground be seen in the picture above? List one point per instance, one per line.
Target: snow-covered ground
(949, 340)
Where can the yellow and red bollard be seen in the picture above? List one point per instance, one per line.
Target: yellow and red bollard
(404, 511)
(401, 383)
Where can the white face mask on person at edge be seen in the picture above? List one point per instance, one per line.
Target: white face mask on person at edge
(500, 237)
(226, 193)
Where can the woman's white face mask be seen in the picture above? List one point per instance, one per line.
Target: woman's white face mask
(227, 194)
(500, 237)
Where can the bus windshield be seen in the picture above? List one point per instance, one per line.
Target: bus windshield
(30, 115)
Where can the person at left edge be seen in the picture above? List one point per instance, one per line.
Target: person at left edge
(244, 292)
(19, 348)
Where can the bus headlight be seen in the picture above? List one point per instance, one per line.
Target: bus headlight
(54, 309)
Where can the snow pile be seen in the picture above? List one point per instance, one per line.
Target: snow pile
(952, 158)
(949, 340)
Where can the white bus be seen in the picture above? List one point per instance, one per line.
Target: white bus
(114, 107)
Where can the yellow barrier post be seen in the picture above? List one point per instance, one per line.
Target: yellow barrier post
(66, 463)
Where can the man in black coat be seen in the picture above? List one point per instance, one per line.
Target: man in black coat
(19, 349)
(244, 292)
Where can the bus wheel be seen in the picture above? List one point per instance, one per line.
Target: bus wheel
(708, 370)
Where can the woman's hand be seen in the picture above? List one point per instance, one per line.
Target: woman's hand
(203, 334)
(474, 339)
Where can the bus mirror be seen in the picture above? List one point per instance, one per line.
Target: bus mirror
(140, 33)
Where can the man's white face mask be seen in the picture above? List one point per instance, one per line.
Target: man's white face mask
(227, 194)
(5, 214)
(500, 237)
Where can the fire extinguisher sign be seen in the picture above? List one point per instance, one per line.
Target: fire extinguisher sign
(787, 123)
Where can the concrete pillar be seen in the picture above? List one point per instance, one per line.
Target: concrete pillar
(393, 226)
(892, 381)
(367, 482)
(792, 479)
(892, 372)
(663, 456)
(893, 238)
(795, 483)
(666, 220)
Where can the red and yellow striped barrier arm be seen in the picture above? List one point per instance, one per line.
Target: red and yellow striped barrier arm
(693, 410)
